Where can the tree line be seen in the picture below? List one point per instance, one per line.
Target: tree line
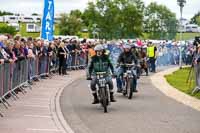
(115, 19)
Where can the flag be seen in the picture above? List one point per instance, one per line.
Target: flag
(48, 20)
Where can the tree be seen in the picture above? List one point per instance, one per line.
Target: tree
(115, 18)
(196, 19)
(70, 24)
(3, 13)
(35, 14)
(90, 17)
(160, 22)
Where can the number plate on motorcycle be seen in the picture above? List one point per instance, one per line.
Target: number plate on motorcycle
(102, 82)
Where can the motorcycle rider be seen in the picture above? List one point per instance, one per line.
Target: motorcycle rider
(100, 63)
(126, 57)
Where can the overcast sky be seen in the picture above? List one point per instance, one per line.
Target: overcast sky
(31, 6)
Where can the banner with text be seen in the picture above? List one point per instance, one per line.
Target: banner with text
(48, 20)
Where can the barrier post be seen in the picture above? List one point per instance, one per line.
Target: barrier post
(5, 91)
(21, 75)
(2, 85)
(12, 93)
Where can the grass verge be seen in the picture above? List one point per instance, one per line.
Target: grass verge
(178, 80)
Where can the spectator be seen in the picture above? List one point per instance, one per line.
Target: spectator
(18, 51)
(62, 55)
(73, 53)
(9, 50)
(4, 56)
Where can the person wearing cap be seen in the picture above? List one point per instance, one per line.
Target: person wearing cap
(100, 63)
(126, 57)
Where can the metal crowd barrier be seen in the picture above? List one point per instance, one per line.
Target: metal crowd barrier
(21, 73)
(168, 56)
(76, 60)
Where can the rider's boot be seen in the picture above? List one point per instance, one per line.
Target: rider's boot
(96, 100)
(146, 70)
(112, 99)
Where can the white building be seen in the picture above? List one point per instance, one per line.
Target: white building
(31, 27)
(185, 26)
(192, 28)
(1, 19)
(11, 19)
(26, 19)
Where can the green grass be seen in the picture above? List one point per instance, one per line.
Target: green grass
(23, 32)
(178, 80)
(187, 36)
(2, 24)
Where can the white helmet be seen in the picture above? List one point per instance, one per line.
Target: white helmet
(127, 47)
(99, 47)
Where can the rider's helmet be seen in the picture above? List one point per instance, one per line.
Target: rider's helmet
(126, 48)
(99, 49)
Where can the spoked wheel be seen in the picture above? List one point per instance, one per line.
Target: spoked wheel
(129, 89)
(104, 99)
(124, 91)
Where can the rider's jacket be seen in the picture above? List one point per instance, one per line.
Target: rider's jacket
(100, 64)
(127, 58)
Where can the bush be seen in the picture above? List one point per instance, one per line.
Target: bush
(5, 29)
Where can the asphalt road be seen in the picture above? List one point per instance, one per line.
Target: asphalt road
(149, 111)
